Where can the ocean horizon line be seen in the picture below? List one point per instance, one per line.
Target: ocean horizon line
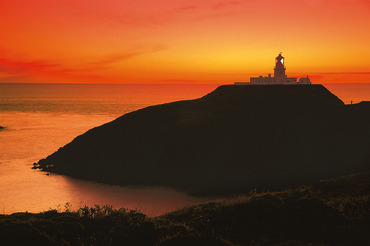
(63, 83)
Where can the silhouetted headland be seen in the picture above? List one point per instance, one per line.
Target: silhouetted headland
(231, 140)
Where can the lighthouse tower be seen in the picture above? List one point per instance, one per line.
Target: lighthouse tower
(279, 70)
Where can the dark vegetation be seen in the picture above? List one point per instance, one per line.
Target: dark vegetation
(330, 212)
(232, 140)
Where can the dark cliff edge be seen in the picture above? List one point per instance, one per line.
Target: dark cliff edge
(231, 140)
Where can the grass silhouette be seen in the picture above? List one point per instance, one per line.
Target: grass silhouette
(331, 212)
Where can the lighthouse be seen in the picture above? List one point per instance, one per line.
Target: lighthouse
(279, 70)
(279, 78)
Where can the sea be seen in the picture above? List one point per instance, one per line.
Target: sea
(40, 118)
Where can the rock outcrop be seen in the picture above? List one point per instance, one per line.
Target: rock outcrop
(233, 139)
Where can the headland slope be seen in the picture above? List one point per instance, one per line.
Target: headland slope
(231, 140)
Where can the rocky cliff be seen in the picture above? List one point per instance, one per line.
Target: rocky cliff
(233, 139)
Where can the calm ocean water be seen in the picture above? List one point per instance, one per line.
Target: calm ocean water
(40, 118)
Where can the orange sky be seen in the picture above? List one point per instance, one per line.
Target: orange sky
(182, 41)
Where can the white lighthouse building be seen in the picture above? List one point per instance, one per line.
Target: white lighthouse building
(279, 76)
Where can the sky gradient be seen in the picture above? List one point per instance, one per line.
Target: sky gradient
(178, 41)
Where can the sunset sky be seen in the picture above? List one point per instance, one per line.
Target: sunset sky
(182, 41)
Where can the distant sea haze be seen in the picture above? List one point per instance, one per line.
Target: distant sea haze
(112, 99)
(116, 100)
(40, 118)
